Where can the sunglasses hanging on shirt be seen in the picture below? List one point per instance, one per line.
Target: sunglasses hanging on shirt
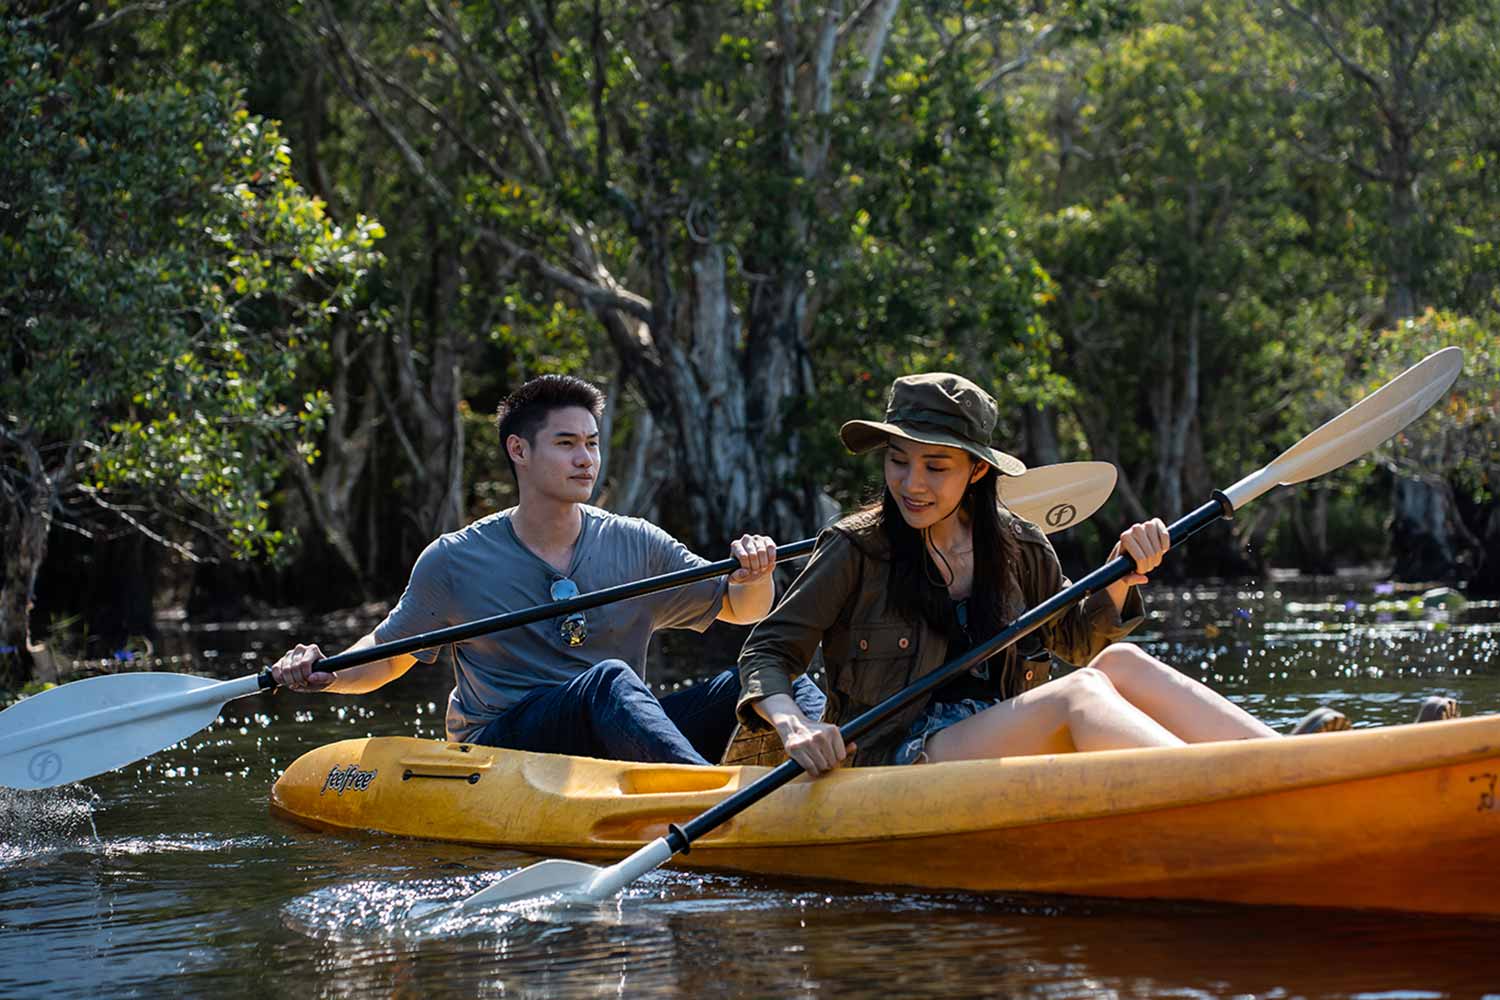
(573, 629)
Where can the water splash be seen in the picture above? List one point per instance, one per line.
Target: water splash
(413, 910)
(35, 825)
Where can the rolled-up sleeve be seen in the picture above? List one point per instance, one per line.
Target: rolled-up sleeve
(782, 644)
(694, 606)
(425, 605)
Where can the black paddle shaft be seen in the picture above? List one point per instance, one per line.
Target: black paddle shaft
(557, 609)
(680, 837)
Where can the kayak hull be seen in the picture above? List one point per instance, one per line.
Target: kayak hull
(1401, 818)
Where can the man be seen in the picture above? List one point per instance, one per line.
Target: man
(574, 684)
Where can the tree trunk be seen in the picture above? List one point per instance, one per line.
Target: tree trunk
(1175, 406)
(1310, 524)
(638, 479)
(27, 518)
(1485, 579)
(1102, 431)
(423, 410)
(722, 405)
(1421, 532)
(329, 490)
(1039, 425)
(1318, 532)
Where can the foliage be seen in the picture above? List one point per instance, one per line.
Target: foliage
(167, 275)
(1459, 439)
(1395, 99)
(1170, 229)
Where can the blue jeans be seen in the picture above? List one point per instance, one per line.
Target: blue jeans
(608, 712)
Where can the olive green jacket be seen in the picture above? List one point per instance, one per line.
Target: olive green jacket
(841, 600)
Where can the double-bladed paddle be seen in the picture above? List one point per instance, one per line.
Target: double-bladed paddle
(94, 725)
(1343, 439)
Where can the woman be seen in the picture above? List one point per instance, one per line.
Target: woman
(938, 566)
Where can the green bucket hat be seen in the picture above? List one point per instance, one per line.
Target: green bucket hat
(935, 408)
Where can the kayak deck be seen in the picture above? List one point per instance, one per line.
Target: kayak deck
(1402, 817)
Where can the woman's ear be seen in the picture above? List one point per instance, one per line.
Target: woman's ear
(977, 473)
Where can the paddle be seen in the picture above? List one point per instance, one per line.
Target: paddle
(94, 725)
(1346, 437)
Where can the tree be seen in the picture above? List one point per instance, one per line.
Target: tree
(1399, 96)
(1445, 468)
(1394, 92)
(702, 182)
(167, 276)
(1169, 227)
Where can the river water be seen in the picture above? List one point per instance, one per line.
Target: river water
(170, 878)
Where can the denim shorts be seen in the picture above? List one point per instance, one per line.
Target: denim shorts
(939, 716)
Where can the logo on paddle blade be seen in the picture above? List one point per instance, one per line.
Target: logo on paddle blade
(347, 779)
(1062, 515)
(44, 767)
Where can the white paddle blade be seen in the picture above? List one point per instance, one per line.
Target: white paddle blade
(1358, 429)
(94, 725)
(1054, 497)
(541, 879)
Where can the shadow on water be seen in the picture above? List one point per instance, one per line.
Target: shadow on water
(169, 878)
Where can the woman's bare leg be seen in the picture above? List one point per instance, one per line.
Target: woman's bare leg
(1081, 711)
(1193, 711)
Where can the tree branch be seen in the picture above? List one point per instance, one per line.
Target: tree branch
(873, 50)
(124, 514)
(457, 46)
(1020, 62)
(1353, 68)
(595, 295)
(130, 10)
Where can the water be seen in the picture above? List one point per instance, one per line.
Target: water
(170, 878)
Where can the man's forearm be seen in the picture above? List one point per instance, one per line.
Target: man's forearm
(367, 677)
(748, 603)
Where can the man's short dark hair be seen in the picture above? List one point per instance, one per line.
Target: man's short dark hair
(525, 411)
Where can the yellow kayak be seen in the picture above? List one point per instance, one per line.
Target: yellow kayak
(1402, 817)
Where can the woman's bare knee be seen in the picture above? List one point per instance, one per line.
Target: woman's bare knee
(1122, 660)
(1085, 685)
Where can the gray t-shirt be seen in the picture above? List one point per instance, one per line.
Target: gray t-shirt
(484, 569)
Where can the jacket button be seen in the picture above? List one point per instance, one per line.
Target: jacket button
(904, 642)
(1030, 674)
(864, 644)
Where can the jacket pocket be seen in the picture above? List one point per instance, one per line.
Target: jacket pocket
(881, 658)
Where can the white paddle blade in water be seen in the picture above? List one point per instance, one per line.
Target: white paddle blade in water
(541, 879)
(573, 878)
(1358, 429)
(97, 724)
(1054, 497)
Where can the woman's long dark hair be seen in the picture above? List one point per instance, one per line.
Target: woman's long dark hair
(916, 585)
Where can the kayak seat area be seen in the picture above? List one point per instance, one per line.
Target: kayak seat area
(675, 778)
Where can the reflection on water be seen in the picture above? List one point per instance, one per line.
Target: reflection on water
(170, 878)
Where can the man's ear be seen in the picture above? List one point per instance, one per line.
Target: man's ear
(517, 448)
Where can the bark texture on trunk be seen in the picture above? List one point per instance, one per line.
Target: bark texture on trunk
(328, 489)
(26, 512)
(1422, 535)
